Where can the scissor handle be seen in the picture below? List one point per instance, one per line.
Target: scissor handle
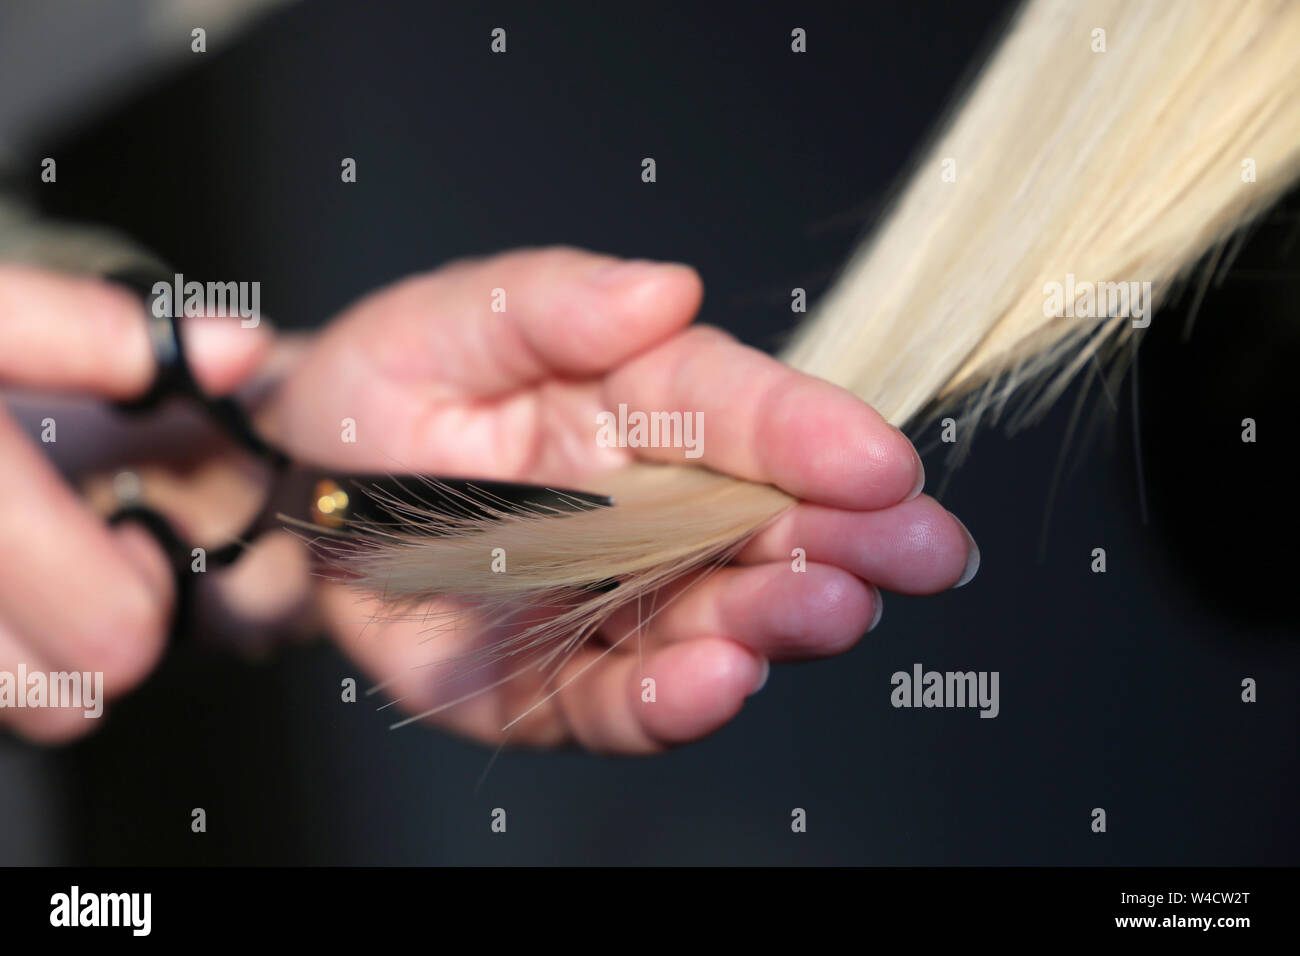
(174, 377)
(179, 558)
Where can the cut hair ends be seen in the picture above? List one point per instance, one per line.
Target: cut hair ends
(1106, 146)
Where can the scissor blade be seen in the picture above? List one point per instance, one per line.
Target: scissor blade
(341, 503)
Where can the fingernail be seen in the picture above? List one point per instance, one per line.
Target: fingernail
(763, 673)
(627, 271)
(879, 612)
(972, 556)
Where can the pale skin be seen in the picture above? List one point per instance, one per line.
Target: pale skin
(440, 383)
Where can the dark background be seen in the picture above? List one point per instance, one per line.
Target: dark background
(1119, 690)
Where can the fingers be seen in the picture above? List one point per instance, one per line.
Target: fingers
(597, 698)
(413, 659)
(494, 325)
(82, 334)
(764, 606)
(912, 548)
(766, 603)
(693, 689)
(768, 423)
(779, 614)
(76, 596)
(79, 595)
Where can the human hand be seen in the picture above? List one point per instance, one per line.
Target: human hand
(75, 594)
(437, 382)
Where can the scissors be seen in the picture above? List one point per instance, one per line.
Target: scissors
(340, 505)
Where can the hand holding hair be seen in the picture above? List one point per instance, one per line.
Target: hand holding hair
(436, 381)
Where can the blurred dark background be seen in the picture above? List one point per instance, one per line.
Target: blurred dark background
(1118, 690)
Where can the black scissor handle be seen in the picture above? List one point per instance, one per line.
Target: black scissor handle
(174, 377)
